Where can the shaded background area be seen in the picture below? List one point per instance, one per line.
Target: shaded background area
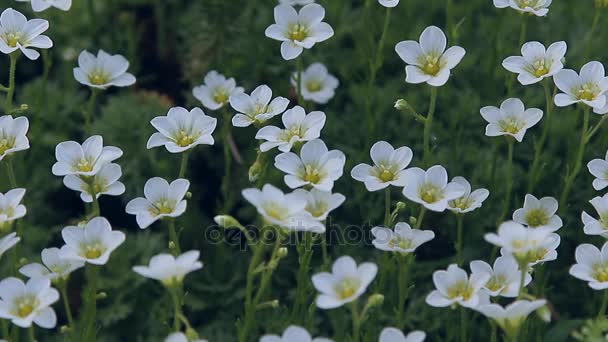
(171, 46)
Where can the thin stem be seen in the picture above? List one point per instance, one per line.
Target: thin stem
(88, 114)
(356, 321)
(374, 66)
(420, 217)
(227, 163)
(522, 280)
(427, 125)
(459, 237)
(538, 147)
(10, 170)
(96, 209)
(387, 207)
(31, 333)
(66, 303)
(258, 252)
(8, 103)
(509, 183)
(463, 324)
(174, 238)
(404, 262)
(5, 330)
(494, 334)
(177, 307)
(183, 165)
(299, 81)
(449, 6)
(522, 39)
(305, 254)
(596, 19)
(596, 128)
(602, 313)
(91, 304)
(577, 162)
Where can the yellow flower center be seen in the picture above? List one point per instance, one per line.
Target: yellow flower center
(98, 77)
(604, 219)
(588, 92)
(298, 32)
(462, 203)
(600, 272)
(496, 282)
(163, 206)
(540, 68)
(13, 38)
(347, 288)
(25, 305)
(6, 144)
(537, 254)
(537, 217)
(430, 193)
(220, 96)
(385, 173)
(184, 138)
(460, 289)
(92, 250)
(402, 243)
(317, 209)
(85, 165)
(276, 211)
(289, 133)
(312, 174)
(431, 64)
(314, 86)
(510, 125)
(8, 211)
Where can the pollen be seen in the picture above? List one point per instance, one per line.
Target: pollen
(99, 77)
(84, 165)
(220, 96)
(496, 283)
(600, 272)
(312, 174)
(184, 138)
(430, 193)
(537, 217)
(298, 32)
(163, 206)
(25, 305)
(402, 243)
(6, 144)
(314, 86)
(462, 203)
(588, 92)
(385, 173)
(275, 211)
(460, 289)
(92, 250)
(431, 64)
(540, 67)
(511, 125)
(13, 38)
(317, 209)
(347, 288)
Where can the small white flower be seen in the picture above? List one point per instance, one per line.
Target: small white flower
(511, 119)
(346, 282)
(591, 265)
(105, 182)
(429, 61)
(403, 239)
(27, 303)
(389, 167)
(299, 127)
(103, 71)
(431, 188)
(181, 337)
(18, 33)
(162, 200)
(395, 335)
(298, 30)
(293, 333)
(544, 251)
(523, 243)
(53, 266)
(7, 242)
(389, 3)
(504, 278)
(454, 286)
(469, 201)
(83, 160)
(11, 207)
(599, 169)
(13, 135)
(296, 2)
(317, 84)
(594, 226)
(316, 166)
(284, 210)
(539, 213)
(588, 88)
(180, 130)
(41, 5)
(511, 317)
(170, 270)
(256, 108)
(320, 203)
(92, 244)
(536, 63)
(539, 8)
(216, 91)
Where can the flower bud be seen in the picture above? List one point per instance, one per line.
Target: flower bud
(413, 221)
(226, 221)
(282, 252)
(400, 206)
(188, 195)
(101, 295)
(191, 334)
(401, 104)
(258, 167)
(544, 313)
(375, 300)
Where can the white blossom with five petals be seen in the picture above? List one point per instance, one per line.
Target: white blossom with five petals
(92, 244)
(388, 169)
(430, 188)
(181, 130)
(299, 127)
(103, 71)
(13, 135)
(511, 119)
(19, 34)
(161, 200)
(216, 91)
(536, 62)
(256, 108)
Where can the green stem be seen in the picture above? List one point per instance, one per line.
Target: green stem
(522, 39)
(31, 333)
(10, 170)
(356, 321)
(299, 68)
(509, 186)
(577, 162)
(420, 217)
(177, 306)
(538, 147)
(449, 20)
(91, 303)
(66, 303)
(494, 333)
(427, 126)
(5, 330)
(459, 238)
(175, 249)
(596, 19)
(227, 163)
(88, 114)
(374, 66)
(305, 254)
(183, 165)
(522, 281)
(596, 128)
(8, 103)
(405, 262)
(602, 313)
(463, 324)
(96, 209)
(387, 207)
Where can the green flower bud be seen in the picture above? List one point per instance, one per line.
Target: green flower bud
(226, 221)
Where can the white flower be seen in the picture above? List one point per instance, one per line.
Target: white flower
(7, 242)
(105, 182)
(511, 119)
(298, 31)
(162, 200)
(395, 335)
(511, 317)
(320, 203)
(591, 265)
(539, 8)
(27, 303)
(170, 270)
(53, 266)
(389, 3)
(429, 61)
(293, 333)
(296, 2)
(545, 250)
(523, 243)
(41, 5)
(599, 169)
(588, 88)
(299, 127)
(10, 206)
(539, 213)
(454, 286)
(180, 130)
(317, 84)
(216, 91)
(18, 33)
(83, 160)
(536, 62)
(389, 167)
(431, 188)
(346, 282)
(92, 244)
(181, 337)
(316, 166)
(284, 210)
(469, 201)
(12, 135)
(256, 108)
(594, 226)
(403, 239)
(504, 278)
(103, 71)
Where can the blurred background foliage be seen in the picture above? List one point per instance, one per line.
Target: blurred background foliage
(171, 46)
